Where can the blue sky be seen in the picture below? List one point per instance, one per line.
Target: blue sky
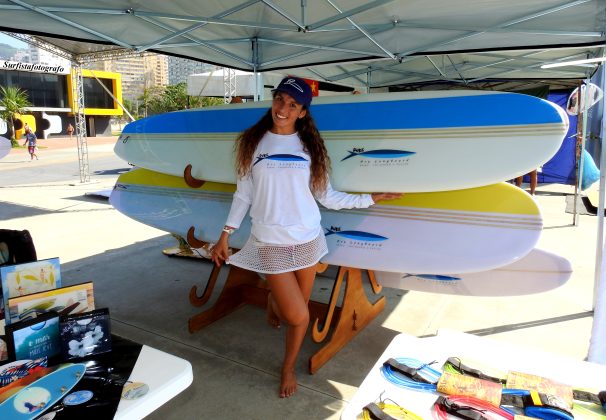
(5, 39)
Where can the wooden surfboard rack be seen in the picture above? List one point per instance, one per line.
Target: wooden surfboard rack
(246, 287)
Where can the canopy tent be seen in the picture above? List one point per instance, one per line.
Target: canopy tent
(369, 43)
(403, 44)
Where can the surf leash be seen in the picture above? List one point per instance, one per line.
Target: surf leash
(411, 374)
(384, 411)
(469, 408)
(454, 365)
(416, 375)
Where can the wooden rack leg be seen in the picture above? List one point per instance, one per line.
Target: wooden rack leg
(241, 287)
(356, 312)
(208, 290)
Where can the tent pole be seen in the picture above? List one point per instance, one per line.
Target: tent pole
(584, 115)
(600, 214)
(577, 152)
(259, 87)
(597, 344)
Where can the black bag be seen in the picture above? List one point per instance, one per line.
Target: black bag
(16, 247)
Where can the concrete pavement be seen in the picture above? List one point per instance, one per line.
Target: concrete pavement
(236, 360)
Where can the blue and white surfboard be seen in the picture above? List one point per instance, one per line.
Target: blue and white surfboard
(403, 142)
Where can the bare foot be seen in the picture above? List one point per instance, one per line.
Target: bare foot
(288, 383)
(272, 318)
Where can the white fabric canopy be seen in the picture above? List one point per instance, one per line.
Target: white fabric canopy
(376, 43)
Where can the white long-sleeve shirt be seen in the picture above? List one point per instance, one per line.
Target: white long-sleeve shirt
(282, 207)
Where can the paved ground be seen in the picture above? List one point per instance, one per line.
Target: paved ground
(236, 360)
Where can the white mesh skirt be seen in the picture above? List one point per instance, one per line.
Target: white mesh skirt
(273, 259)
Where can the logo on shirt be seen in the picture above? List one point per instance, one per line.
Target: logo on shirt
(282, 160)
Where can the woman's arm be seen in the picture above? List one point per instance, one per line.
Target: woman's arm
(239, 207)
(336, 200)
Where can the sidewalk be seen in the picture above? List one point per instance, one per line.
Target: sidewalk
(54, 143)
(236, 360)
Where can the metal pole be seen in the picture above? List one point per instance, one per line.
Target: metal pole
(259, 85)
(600, 235)
(577, 152)
(583, 141)
(80, 120)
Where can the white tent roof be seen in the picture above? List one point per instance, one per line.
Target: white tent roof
(398, 41)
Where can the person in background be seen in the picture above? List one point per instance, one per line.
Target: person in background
(282, 167)
(70, 130)
(31, 141)
(533, 181)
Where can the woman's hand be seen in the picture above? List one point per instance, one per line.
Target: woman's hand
(376, 197)
(220, 252)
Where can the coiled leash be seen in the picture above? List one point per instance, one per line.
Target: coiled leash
(384, 411)
(469, 408)
(411, 374)
(454, 364)
(414, 374)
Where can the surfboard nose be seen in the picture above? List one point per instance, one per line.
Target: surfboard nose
(562, 114)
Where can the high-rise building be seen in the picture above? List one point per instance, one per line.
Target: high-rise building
(139, 72)
(39, 56)
(179, 68)
(35, 55)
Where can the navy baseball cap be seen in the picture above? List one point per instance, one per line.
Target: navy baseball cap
(297, 88)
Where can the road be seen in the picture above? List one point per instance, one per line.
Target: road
(58, 163)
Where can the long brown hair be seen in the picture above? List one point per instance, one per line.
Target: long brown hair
(313, 143)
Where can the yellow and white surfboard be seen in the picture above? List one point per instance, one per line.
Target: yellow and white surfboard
(439, 233)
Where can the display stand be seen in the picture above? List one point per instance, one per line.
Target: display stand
(245, 287)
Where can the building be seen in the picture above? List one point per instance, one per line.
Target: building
(180, 68)
(36, 55)
(138, 72)
(49, 89)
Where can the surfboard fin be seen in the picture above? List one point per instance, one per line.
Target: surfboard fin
(190, 180)
(192, 240)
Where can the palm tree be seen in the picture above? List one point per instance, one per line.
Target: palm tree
(14, 100)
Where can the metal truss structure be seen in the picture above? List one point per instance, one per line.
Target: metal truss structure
(229, 84)
(80, 119)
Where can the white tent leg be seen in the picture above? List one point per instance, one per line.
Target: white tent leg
(583, 99)
(597, 345)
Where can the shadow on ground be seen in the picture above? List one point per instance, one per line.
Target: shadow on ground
(236, 360)
(15, 211)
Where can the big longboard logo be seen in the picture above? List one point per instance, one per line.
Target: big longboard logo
(355, 238)
(380, 157)
(439, 278)
(282, 160)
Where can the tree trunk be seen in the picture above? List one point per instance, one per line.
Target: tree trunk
(11, 132)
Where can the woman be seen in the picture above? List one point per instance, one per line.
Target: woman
(282, 168)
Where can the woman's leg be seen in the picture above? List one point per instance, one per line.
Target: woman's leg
(534, 177)
(290, 292)
(273, 313)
